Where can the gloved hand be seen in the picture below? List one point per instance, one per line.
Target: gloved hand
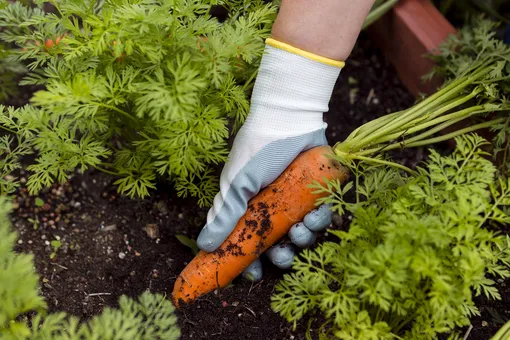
(292, 91)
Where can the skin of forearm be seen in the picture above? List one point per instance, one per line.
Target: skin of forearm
(328, 28)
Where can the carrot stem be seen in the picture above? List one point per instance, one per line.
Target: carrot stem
(503, 332)
(7, 129)
(374, 160)
(104, 170)
(442, 101)
(116, 109)
(456, 133)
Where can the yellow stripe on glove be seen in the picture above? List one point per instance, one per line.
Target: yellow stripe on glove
(281, 45)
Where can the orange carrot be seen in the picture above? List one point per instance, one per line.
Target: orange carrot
(269, 217)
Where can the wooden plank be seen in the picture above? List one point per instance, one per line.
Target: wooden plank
(410, 30)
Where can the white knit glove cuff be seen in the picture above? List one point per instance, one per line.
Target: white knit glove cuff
(291, 93)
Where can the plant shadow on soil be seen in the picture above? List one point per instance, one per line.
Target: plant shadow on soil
(112, 245)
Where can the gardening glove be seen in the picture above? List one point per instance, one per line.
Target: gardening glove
(292, 91)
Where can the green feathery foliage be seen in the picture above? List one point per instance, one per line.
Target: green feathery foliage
(418, 250)
(11, 150)
(18, 281)
(140, 89)
(151, 316)
(9, 68)
(476, 44)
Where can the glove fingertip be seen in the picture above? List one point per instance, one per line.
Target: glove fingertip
(206, 241)
(319, 219)
(301, 236)
(254, 271)
(281, 256)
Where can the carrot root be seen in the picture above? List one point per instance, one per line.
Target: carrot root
(269, 217)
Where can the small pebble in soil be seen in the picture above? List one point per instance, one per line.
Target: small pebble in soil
(122, 255)
(20, 241)
(152, 230)
(235, 303)
(224, 304)
(485, 324)
(110, 227)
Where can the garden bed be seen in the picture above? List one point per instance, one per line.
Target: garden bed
(112, 245)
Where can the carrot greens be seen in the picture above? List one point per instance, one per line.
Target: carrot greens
(142, 90)
(417, 252)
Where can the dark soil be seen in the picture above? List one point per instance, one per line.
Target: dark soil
(112, 245)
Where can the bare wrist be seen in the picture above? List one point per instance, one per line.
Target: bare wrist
(328, 28)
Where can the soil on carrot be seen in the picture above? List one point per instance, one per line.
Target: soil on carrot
(92, 245)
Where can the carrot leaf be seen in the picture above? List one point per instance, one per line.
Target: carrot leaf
(140, 90)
